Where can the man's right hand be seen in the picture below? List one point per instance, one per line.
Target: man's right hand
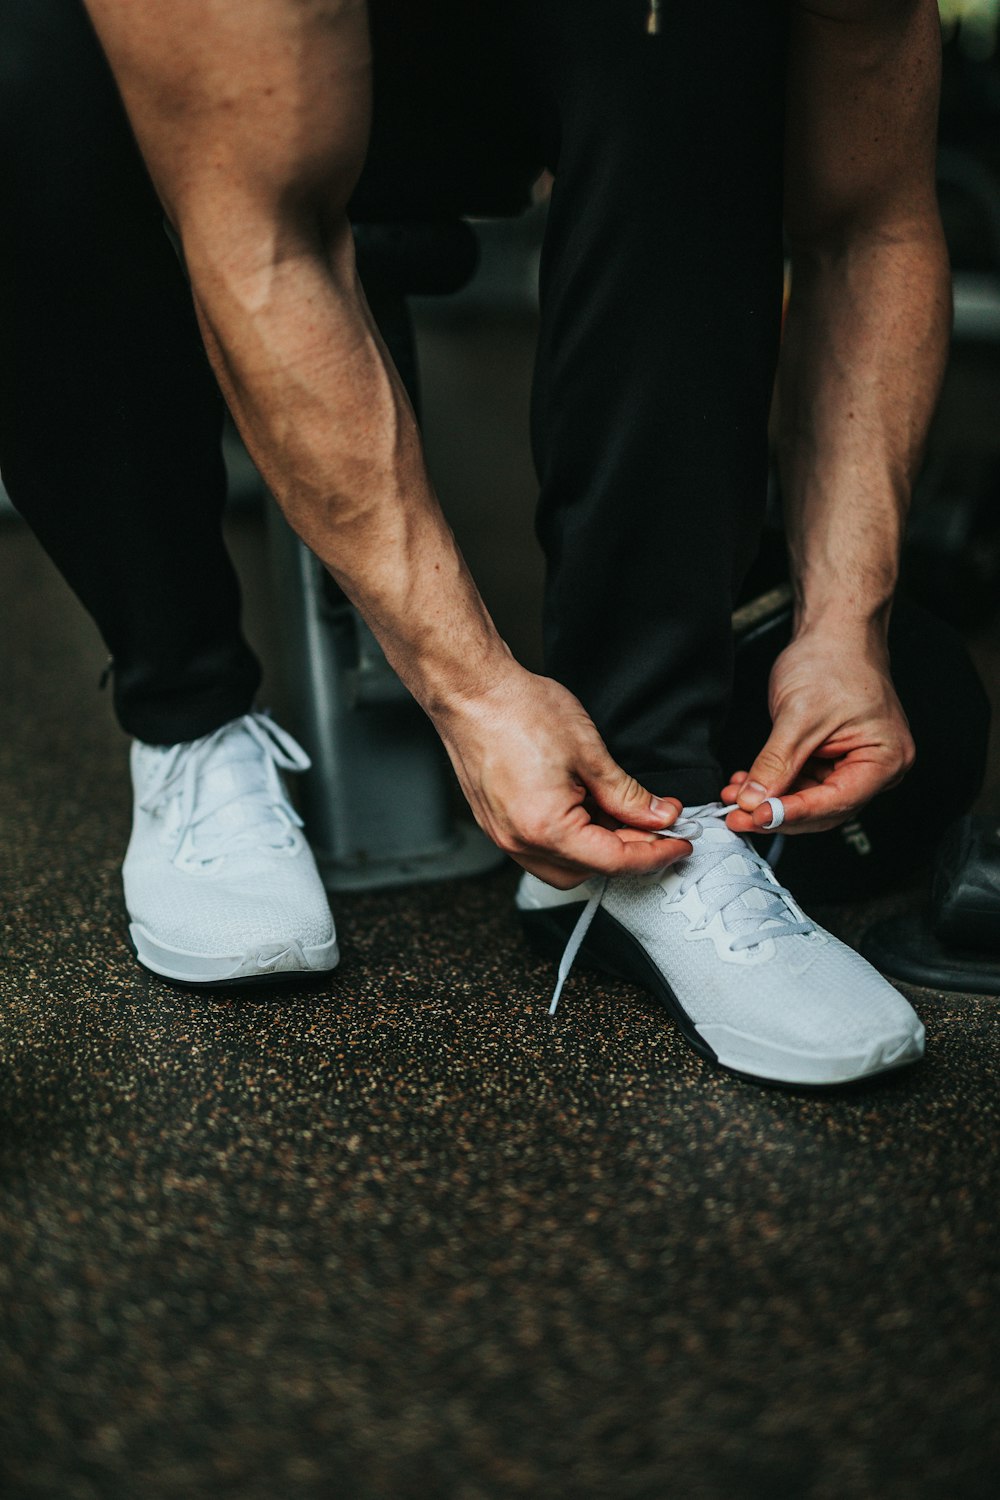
(542, 785)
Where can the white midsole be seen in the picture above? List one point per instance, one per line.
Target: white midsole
(748, 1054)
(206, 968)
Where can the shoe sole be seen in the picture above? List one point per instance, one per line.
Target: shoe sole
(610, 949)
(227, 972)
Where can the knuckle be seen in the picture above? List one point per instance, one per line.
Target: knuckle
(532, 833)
(511, 842)
(771, 760)
(901, 765)
(600, 767)
(630, 792)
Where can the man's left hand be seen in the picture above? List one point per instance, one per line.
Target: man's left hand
(839, 736)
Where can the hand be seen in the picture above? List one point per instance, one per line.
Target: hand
(839, 736)
(544, 788)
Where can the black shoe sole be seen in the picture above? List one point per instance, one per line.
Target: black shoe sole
(609, 948)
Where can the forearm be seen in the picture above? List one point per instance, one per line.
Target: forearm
(868, 319)
(253, 118)
(862, 359)
(329, 424)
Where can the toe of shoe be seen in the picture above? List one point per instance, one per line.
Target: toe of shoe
(818, 1061)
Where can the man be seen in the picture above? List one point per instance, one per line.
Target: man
(660, 310)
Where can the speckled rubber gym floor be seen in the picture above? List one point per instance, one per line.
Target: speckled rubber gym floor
(403, 1236)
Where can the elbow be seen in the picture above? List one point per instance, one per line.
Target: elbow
(244, 260)
(912, 240)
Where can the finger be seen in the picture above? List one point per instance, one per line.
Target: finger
(756, 822)
(599, 852)
(731, 789)
(626, 799)
(821, 805)
(813, 773)
(775, 768)
(635, 836)
(604, 853)
(605, 820)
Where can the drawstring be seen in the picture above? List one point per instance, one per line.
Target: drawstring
(653, 19)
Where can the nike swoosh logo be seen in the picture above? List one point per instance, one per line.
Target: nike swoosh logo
(271, 963)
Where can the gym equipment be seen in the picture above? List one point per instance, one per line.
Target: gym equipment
(378, 800)
(955, 943)
(965, 894)
(951, 562)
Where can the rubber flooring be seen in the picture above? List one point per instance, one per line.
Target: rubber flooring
(402, 1236)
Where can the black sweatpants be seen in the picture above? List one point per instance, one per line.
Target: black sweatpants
(661, 289)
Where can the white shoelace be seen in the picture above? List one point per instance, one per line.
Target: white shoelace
(182, 769)
(773, 917)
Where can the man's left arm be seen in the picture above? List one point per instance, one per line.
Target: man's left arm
(861, 364)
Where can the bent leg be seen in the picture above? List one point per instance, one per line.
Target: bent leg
(109, 416)
(661, 297)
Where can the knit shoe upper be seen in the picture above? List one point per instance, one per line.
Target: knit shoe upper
(220, 884)
(752, 981)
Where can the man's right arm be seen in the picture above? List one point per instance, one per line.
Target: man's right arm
(253, 117)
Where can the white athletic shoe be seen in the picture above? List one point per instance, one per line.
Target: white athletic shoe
(220, 884)
(753, 984)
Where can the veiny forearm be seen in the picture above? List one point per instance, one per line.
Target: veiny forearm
(861, 366)
(253, 118)
(868, 320)
(329, 424)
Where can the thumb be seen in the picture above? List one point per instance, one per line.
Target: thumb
(622, 797)
(773, 772)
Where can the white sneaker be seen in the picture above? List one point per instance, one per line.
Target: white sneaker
(753, 984)
(220, 885)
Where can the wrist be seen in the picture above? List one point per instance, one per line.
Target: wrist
(449, 690)
(853, 614)
(850, 631)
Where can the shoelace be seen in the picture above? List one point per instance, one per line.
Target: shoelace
(184, 765)
(776, 916)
